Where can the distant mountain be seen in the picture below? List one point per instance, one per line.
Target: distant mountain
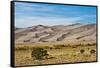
(41, 33)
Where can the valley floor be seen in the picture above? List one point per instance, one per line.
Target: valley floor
(58, 54)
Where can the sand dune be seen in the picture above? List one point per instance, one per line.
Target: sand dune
(41, 33)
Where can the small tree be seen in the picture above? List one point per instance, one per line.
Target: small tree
(82, 51)
(39, 53)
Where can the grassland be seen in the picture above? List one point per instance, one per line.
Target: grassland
(58, 53)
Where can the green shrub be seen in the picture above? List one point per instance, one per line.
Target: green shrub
(39, 53)
(22, 48)
(89, 44)
(92, 52)
(82, 51)
(94, 44)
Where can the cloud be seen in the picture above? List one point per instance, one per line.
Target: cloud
(29, 14)
(30, 21)
(43, 9)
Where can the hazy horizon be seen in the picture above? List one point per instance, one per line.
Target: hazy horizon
(31, 14)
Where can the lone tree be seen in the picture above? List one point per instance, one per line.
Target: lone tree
(39, 53)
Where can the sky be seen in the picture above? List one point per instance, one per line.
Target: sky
(31, 14)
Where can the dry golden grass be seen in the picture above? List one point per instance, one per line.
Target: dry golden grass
(58, 53)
